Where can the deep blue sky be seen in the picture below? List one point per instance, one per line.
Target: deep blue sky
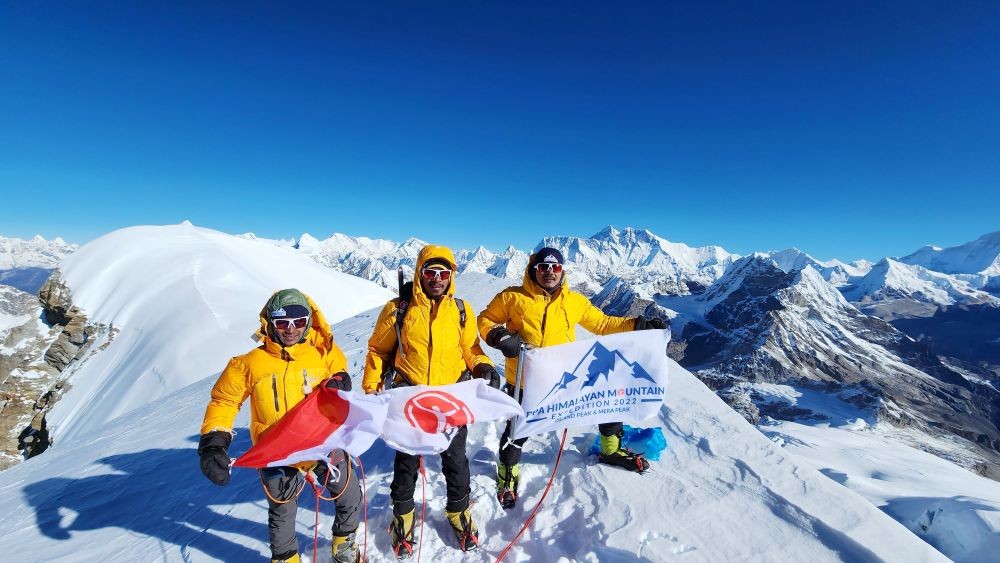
(847, 129)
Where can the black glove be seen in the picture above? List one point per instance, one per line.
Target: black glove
(213, 451)
(489, 373)
(509, 343)
(340, 380)
(642, 323)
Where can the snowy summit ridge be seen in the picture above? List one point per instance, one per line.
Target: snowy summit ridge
(981, 256)
(187, 296)
(640, 256)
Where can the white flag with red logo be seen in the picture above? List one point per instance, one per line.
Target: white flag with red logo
(423, 420)
(325, 420)
(615, 378)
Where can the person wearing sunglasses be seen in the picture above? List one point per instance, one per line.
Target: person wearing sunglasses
(297, 353)
(431, 345)
(544, 311)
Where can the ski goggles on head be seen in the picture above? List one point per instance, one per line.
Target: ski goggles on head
(549, 267)
(285, 324)
(435, 273)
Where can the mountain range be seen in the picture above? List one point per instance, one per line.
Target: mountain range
(153, 314)
(767, 317)
(26, 264)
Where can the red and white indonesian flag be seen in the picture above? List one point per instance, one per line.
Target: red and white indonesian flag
(423, 420)
(616, 378)
(325, 420)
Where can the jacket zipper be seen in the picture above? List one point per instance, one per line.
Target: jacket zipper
(430, 338)
(274, 388)
(545, 316)
(284, 376)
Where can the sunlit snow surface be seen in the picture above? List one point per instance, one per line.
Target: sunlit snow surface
(130, 489)
(181, 300)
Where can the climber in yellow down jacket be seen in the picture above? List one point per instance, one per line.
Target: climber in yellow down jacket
(437, 345)
(297, 353)
(544, 311)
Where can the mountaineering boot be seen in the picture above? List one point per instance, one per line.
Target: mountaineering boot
(293, 558)
(345, 550)
(401, 531)
(508, 477)
(465, 529)
(612, 453)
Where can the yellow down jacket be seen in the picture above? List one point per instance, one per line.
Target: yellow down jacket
(542, 319)
(435, 349)
(275, 378)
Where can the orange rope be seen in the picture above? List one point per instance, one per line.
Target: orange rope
(274, 500)
(346, 482)
(312, 482)
(364, 509)
(539, 505)
(423, 506)
(316, 491)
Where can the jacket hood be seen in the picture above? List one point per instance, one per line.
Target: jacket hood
(318, 335)
(531, 285)
(428, 253)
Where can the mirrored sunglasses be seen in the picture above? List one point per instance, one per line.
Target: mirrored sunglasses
(547, 267)
(432, 273)
(283, 324)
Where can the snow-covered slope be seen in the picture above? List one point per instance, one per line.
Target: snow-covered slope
(920, 490)
(721, 492)
(180, 301)
(981, 256)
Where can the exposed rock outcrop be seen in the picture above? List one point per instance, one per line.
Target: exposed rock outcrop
(54, 334)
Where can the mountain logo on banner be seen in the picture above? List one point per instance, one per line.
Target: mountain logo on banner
(602, 365)
(603, 379)
(435, 412)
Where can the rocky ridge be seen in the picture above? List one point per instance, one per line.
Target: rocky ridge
(759, 323)
(33, 367)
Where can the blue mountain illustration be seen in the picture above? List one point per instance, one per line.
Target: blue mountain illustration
(602, 365)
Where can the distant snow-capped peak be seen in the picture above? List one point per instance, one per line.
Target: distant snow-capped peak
(339, 244)
(378, 259)
(631, 256)
(891, 279)
(834, 271)
(639, 255)
(252, 236)
(372, 259)
(478, 260)
(981, 256)
(34, 253)
(508, 264)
